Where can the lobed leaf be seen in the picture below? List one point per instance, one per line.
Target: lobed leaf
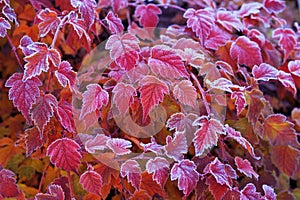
(286, 38)
(177, 146)
(242, 48)
(114, 23)
(3, 26)
(185, 172)
(91, 181)
(49, 21)
(147, 15)
(207, 135)
(65, 75)
(86, 9)
(124, 50)
(123, 96)
(23, 93)
(185, 92)
(54, 192)
(132, 170)
(249, 193)
(167, 63)
(94, 98)
(160, 168)
(264, 72)
(201, 21)
(42, 111)
(152, 92)
(64, 153)
(244, 166)
(119, 146)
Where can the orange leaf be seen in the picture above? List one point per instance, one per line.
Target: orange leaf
(285, 158)
(7, 150)
(279, 131)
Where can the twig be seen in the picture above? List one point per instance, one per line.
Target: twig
(202, 93)
(15, 52)
(70, 185)
(43, 177)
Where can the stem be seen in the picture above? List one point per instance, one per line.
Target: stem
(15, 52)
(102, 24)
(49, 81)
(70, 185)
(128, 16)
(202, 93)
(43, 177)
(172, 6)
(57, 31)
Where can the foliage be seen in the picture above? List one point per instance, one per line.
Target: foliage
(138, 100)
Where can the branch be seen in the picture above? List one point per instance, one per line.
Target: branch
(15, 52)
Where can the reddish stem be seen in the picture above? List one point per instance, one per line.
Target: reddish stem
(15, 52)
(49, 81)
(70, 185)
(202, 92)
(43, 177)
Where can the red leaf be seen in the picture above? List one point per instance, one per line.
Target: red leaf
(94, 98)
(222, 84)
(10, 14)
(49, 21)
(269, 192)
(160, 169)
(8, 186)
(78, 26)
(279, 131)
(24, 43)
(42, 111)
(249, 9)
(274, 6)
(132, 170)
(54, 192)
(185, 92)
(217, 37)
(96, 143)
(114, 23)
(231, 133)
(65, 115)
(264, 72)
(242, 48)
(249, 193)
(64, 154)
(152, 146)
(240, 101)
(176, 147)
(166, 63)
(23, 93)
(152, 92)
(244, 166)
(287, 81)
(86, 9)
(38, 61)
(257, 37)
(222, 173)
(119, 146)
(181, 122)
(229, 20)
(65, 75)
(285, 158)
(124, 50)
(33, 140)
(147, 15)
(91, 181)
(294, 67)
(123, 96)
(201, 22)
(217, 190)
(287, 40)
(185, 172)
(207, 135)
(3, 26)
